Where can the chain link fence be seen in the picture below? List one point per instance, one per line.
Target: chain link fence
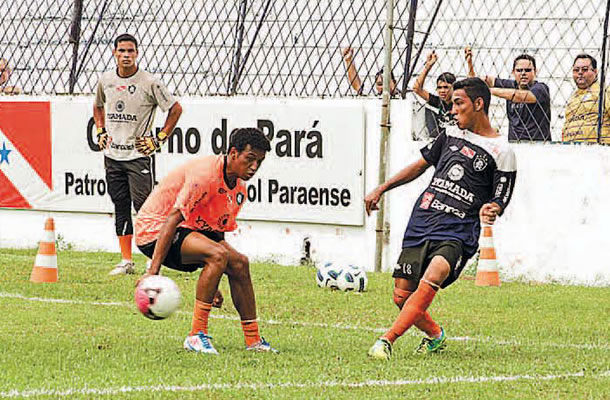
(268, 48)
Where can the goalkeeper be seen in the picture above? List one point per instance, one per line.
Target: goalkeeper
(124, 109)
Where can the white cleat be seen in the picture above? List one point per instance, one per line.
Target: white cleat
(199, 343)
(262, 346)
(124, 268)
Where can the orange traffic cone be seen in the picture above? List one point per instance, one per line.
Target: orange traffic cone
(45, 266)
(487, 269)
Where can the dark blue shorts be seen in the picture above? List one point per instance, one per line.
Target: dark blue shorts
(413, 261)
(173, 259)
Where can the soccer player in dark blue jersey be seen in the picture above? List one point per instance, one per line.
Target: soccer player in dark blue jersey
(473, 181)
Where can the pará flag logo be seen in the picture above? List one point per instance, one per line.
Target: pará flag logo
(25, 153)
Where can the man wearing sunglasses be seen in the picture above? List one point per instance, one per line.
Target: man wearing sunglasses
(582, 109)
(528, 102)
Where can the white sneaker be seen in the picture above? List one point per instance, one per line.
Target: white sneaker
(123, 268)
(199, 343)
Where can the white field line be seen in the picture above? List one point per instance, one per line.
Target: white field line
(500, 342)
(299, 385)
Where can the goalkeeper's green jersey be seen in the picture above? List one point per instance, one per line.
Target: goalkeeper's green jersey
(129, 104)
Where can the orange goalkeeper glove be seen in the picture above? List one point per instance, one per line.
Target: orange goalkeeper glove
(149, 144)
(102, 138)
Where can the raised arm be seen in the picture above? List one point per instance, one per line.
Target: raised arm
(418, 86)
(468, 55)
(406, 175)
(352, 73)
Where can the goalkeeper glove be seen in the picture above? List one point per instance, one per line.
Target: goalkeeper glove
(149, 144)
(102, 138)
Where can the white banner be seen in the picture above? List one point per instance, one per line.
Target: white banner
(314, 172)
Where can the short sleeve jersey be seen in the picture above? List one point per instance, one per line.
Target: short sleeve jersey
(581, 116)
(470, 170)
(436, 121)
(130, 104)
(528, 121)
(199, 190)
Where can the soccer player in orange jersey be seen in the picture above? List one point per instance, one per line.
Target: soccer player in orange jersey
(474, 177)
(182, 224)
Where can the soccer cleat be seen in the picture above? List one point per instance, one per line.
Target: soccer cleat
(381, 350)
(262, 346)
(436, 345)
(199, 343)
(123, 268)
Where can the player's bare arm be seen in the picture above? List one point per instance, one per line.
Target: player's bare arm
(99, 116)
(149, 144)
(514, 95)
(418, 86)
(173, 115)
(167, 232)
(406, 175)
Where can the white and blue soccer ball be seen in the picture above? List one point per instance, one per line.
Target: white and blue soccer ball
(325, 277)
(342, 277)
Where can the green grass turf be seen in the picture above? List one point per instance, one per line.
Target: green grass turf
(79, 347)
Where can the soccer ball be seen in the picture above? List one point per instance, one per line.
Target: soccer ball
(351, 278)
(323, 276)
(344, 278)
(157, 297)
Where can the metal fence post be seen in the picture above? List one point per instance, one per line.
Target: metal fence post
(239, 33)
(602, 79)
(77, 14)
(385, 132)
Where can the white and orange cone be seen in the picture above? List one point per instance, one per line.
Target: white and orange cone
(45, 266)
(487, 269)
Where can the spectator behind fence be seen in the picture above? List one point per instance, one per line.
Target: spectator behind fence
(442, 103)
(5, 74)
(582, 109)
(528, 102)
(354, 79)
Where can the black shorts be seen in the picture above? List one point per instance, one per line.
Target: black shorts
(173, 259)
(413, 261)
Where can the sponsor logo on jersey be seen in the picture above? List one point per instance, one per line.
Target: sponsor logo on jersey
(120, 106)
(223, 220)
(121, 88)
(452, 189)
(131, 89)
(479, 163)
(426, 200)
(127, 147)
(118, 117)
(456, 172)
(453, 148)
(437, 205)
(468, 152)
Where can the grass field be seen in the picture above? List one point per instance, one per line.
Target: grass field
(83, 338)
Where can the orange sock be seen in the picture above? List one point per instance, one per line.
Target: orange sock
(412, 311)
(425, 323)
(201, 313)
(251, 334)
(125, 245)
